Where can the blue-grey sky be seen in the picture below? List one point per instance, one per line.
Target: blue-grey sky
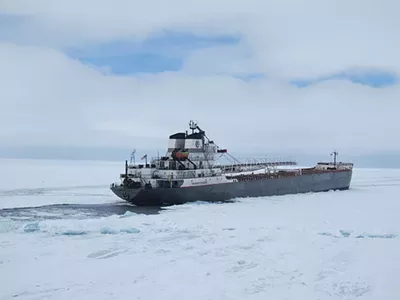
(264, 76)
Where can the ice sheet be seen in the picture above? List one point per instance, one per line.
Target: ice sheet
(334, 245)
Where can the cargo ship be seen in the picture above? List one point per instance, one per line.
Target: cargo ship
(190, 172)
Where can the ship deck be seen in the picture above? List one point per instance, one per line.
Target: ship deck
(257, 164)
(281, 173)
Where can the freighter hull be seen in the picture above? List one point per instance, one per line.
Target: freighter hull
(314, 182)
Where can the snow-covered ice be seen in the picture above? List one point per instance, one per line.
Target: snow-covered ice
(334, 245)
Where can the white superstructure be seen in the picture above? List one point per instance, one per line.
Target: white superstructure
(189, 161)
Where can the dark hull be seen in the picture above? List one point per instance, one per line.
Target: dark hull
(317, 182)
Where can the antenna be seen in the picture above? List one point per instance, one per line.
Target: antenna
(334, 153)
(132, 157)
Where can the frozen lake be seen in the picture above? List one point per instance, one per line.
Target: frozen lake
(64, 235)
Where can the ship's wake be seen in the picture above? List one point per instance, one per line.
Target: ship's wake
(66, 190)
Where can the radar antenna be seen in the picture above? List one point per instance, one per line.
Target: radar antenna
(193, 125)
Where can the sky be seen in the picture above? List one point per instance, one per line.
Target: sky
(291, 77)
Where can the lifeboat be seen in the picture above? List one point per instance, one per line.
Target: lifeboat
(181, 155)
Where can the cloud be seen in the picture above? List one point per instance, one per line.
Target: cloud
(232, 59)
(51, 99)
(288, 38)
(51, 95)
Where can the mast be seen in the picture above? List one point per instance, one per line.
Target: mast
(334, 153)
(132, 157)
